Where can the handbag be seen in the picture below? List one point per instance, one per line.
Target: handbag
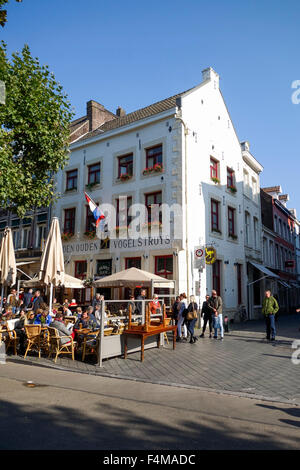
(192, 315)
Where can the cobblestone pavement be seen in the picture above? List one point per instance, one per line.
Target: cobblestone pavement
(244, 363)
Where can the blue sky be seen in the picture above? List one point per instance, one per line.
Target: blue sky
(133, 53)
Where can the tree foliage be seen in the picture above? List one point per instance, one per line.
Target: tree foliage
(3, 13)
(34, 132)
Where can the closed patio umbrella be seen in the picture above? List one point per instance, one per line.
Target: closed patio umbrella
(8, 268)
(52, 270)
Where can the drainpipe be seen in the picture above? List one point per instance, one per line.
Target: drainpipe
(186, 131)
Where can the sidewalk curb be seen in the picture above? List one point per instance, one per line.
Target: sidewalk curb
(95, 373)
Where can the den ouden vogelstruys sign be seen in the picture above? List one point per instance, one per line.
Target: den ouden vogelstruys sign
(159, 231)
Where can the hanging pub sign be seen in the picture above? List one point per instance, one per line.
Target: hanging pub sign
(103, 268)
(210, 255)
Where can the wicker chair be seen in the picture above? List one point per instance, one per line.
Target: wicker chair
(33, 333)
(11, 339)
(90, 345)
(55, 344)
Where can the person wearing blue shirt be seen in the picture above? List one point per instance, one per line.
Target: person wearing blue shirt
(43, 318)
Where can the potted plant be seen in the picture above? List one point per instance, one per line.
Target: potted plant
(125, 177)
(217, 230)
(157, 168)
(66, 236)
(215, 180)
(91, 185)
(90, 234)
(233, 236)
(232, 189)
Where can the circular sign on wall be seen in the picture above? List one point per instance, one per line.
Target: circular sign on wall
(210, 255)
(199, 253)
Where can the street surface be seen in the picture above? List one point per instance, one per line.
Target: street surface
(77, 411)
(240, 393)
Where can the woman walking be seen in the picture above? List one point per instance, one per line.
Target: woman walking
(191, 319)
(181, 318)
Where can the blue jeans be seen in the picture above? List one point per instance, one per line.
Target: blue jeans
(270, 325)
(218, 324)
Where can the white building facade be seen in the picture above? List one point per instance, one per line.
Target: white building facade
(181, 151)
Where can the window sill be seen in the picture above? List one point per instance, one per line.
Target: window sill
(93, 187)
(216, 234)
(232, 193)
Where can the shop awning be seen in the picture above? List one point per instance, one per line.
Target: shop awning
(285, 284)
(264, 270)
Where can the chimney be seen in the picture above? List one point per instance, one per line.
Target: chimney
(210, 74)
(245, 146)
(97, 115)
(120, 112)
(283, 199)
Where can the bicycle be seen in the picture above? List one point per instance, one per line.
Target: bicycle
(241, 314)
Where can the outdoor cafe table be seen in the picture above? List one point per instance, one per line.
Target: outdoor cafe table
(142, 335)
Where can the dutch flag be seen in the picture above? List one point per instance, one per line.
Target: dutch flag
(97, 213)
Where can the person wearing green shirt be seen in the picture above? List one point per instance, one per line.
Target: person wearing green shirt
(269, 309)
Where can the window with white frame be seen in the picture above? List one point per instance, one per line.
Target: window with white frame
(247, 228)
(256, 235)
(41, 236)
(26, 237)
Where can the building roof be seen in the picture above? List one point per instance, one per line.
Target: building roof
(272, 189)
(148, 111)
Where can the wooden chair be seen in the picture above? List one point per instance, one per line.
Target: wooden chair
(33, 333)
(55, 344)
(11, 340)
(167, 322)
(89, 346)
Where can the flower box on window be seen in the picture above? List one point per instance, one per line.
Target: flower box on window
(91, 234)
(66, 236)
(217, 230)
(234, 237)
(91, 185)
(125, 177)
(157, 168)
(232, 189)
(215, 180)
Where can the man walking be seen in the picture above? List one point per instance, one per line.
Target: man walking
(269, 309)
(216, 304)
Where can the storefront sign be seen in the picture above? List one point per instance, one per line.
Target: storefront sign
(127, 244)
(104, 268)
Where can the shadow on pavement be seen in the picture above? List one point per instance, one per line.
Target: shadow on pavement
(101, 426)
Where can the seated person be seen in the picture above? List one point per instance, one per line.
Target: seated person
(43, 317)
(58, 323)
(154, 305)
(30, 317)
(20, 331)
(90, 311)
(73, 303)
(78, 312)
(86, 321)
(66, 311)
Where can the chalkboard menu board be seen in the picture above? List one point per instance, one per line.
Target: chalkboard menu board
(104, 268)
